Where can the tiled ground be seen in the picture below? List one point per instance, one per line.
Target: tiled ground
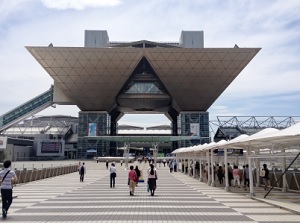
(178, 198)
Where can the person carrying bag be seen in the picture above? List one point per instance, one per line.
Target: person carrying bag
(152, 177)
(6, 177)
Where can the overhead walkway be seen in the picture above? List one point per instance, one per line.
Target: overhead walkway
(26, 110)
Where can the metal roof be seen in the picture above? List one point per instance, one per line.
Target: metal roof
(91, 78)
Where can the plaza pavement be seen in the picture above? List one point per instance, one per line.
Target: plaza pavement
(178, 198)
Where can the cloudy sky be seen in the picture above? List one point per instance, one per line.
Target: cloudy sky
(268, 86)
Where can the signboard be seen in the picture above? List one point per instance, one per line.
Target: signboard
(92, 129)
(3, 142)
(230, 152)
(195, 130)
(91, 150)
(51, 147)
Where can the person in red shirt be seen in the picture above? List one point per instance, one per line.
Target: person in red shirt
(132, 179)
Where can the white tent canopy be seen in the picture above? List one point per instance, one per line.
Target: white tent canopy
(266, 137)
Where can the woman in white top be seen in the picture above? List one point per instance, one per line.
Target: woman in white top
(152, 177)
(113, 175)
(6, 177)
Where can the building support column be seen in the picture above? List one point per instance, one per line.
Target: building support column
(155, 151)
(126, 151)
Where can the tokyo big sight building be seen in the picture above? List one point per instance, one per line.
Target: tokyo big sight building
(109, 79)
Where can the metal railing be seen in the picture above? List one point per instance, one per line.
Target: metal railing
(25, 176)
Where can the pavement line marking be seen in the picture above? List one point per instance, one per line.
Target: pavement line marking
(124, 206)
(130, 213)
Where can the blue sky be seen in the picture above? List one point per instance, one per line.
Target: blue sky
(268, 86)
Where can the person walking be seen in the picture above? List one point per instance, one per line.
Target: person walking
(266, 176)
(246, 177)
(171, 166)
(79, 165)
(138, 174)
(132, 178)
(220, 174)
(186, 166)
(175, 165)
(121, 162)
(164, 162)
(197, 169)
(152, 177)
(113, 175)
(236, 176)
(230, 174)
(82, 172)
(106, 164)
(6, 176)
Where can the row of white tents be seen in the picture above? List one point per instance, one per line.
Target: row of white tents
(265, 138)
(285, 142)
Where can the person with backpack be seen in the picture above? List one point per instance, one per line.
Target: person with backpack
(6, 176)
(82, 171)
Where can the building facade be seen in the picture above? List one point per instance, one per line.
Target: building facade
(109, 79)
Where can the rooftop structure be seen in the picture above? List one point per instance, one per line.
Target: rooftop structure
(108, 79)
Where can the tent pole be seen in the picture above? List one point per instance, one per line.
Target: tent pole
(284, 182)
(208, 168)
(213, 184)
(227, 188)
(251, 176)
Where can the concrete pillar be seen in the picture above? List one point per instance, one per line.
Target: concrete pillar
(155, 151)
(126, 151)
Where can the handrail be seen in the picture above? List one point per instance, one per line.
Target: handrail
(280, 178)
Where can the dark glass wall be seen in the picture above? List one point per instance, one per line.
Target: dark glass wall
(188, 121)
(93, 124)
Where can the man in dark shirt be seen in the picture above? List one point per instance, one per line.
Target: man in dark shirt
(266, 177)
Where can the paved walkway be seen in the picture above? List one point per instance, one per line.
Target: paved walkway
(178, 198)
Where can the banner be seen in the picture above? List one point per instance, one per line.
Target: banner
(230, 152)
(195, 130)
(3, 142)
(51, 147)
(92, 129)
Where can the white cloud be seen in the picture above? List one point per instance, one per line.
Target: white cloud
(79, 4)
(263, 24)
